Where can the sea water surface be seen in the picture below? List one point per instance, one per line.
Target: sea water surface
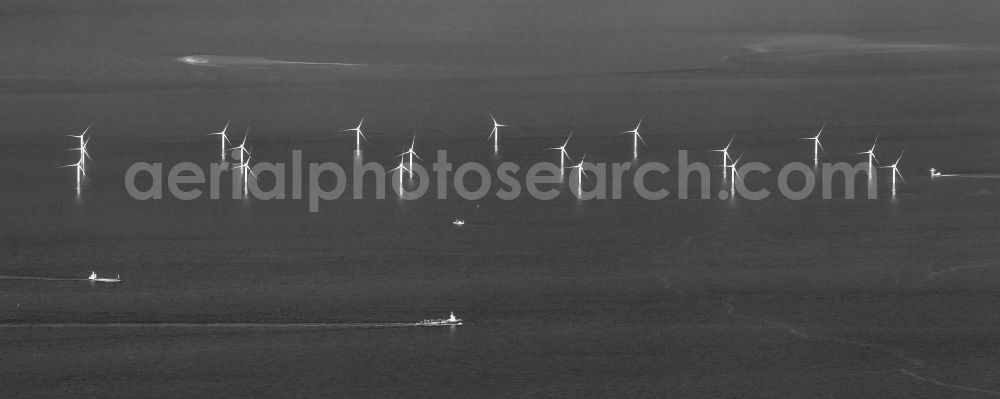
(561, 298)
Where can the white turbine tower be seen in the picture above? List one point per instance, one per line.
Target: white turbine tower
(79, 172)
(247, 171)
(411, 153)
(895, 172)
(358, 135)
(223, 139)
(635, 139)
(563, 155)
(495, 134)
(871, 157)
(580, 175)
(81, 164)
(732, 184)
(401, 168)
(725, 157)
(816, 145)
(243, 164)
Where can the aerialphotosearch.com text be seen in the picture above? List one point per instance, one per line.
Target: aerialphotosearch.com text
(473, 181)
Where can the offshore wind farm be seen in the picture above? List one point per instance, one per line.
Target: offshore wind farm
(724, 296)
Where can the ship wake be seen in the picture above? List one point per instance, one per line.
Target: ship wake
(8, 277)
(303, 325)
(910, 367)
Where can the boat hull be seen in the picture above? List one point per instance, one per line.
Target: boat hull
(439, 323)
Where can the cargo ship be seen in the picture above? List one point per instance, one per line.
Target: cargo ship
(93, 277)
(450, 321)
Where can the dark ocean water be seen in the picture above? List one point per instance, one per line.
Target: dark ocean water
(561, 298)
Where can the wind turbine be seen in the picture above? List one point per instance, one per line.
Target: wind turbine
(358, 135)
(732, 183)
(243, 146)
(580, 175)
(725, 156)
(81, 164)
(223, 139)
(563, 155)
(411, 154)
(816, 144)
(871, 157)
(494, 134)
(635, 139)
(895, 172)
(402, 168)
(247, 171)
(83, 143)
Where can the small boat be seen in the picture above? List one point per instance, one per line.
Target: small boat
(93, 277)
(450, 321)
(458, 222)
(935, 173)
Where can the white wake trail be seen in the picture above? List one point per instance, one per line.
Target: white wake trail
(947, 385)
(973, 175)
(206, 325)
(913, 363)
(931, 275)
(8, 277)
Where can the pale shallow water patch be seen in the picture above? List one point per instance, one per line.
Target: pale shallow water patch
(232, 61)
(824, 48)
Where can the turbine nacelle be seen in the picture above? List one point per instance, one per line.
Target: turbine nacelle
(223, 132)
(495, 124)
(725, 150)
(243, 146)
(895, 169)
(357, 130)
(733, 166)
(562, 148)
(579, 167)
(402, 167)
(80, 136)
(79, 167)
(248, 168)
(871, 151)
(411, 151)
(816, 138)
